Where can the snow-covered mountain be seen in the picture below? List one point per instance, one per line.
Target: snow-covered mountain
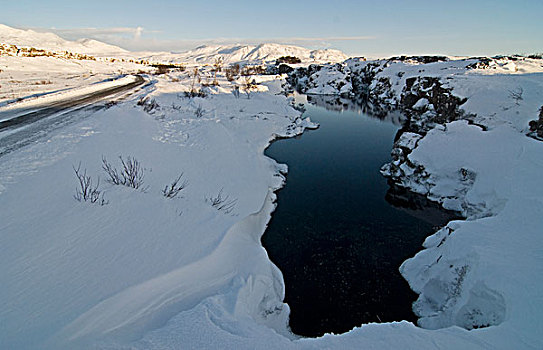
(52, 42)
(239, 53)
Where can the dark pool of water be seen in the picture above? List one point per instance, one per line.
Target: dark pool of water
(340, 233)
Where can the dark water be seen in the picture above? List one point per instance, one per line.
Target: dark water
(339, 233)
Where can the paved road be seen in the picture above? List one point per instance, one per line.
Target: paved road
(57, 107)
(27, 128)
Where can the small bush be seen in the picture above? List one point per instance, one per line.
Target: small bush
(172, 190)
(288, 59)
(235, 91)
(131, 174)
(149, 104)
(232, 72)
(222, 203)
(516, 94)
(248, 85)
(199, 112)
(253, 70)
(162, 69)
(86, 191)
(195, 93)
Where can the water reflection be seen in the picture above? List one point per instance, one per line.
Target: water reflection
(340, 104)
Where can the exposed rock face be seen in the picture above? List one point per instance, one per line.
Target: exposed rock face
(536, 126)
(404, 172)
(420, 59)
(426, 103)
(284, 68)
(424, 100)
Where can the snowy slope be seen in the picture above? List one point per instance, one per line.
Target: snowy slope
(52, 42)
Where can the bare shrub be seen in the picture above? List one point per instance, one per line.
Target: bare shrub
(248, 85)
(149, 104)
(86, 191)
(235, 91)
(217, 67)
(199, 112)
(516, 94)
(131, 174)
(232, 72)
(162, 69)
(195, 76)
(173, 189)
(195, 93)
(114, 176)
(222, 203)
(253, 70)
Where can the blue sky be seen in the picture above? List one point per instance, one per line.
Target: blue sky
(364, 27)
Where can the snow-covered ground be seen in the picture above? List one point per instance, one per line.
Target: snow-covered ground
(13, 110)
(144, 271)
(31, 77)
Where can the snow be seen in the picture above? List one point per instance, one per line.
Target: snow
(498, 279)
(148, 272)
(25, 78)
(13, 110)
(52, 42)
(421, 104)
(259, 54)
(152, 250)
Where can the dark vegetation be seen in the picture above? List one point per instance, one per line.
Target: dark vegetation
(86, 190)
(172, 190)
(222, 202)
(130, 175)
(288, 59)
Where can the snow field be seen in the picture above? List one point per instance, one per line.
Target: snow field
(148, 272)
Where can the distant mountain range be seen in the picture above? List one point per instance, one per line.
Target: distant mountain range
(260, 53)
(229, 54)
(53, 42)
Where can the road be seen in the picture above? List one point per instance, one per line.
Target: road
(29, 127)
(60, 106)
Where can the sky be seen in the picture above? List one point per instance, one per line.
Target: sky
(370, 28)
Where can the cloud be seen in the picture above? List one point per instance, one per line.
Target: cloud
(137, 34)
